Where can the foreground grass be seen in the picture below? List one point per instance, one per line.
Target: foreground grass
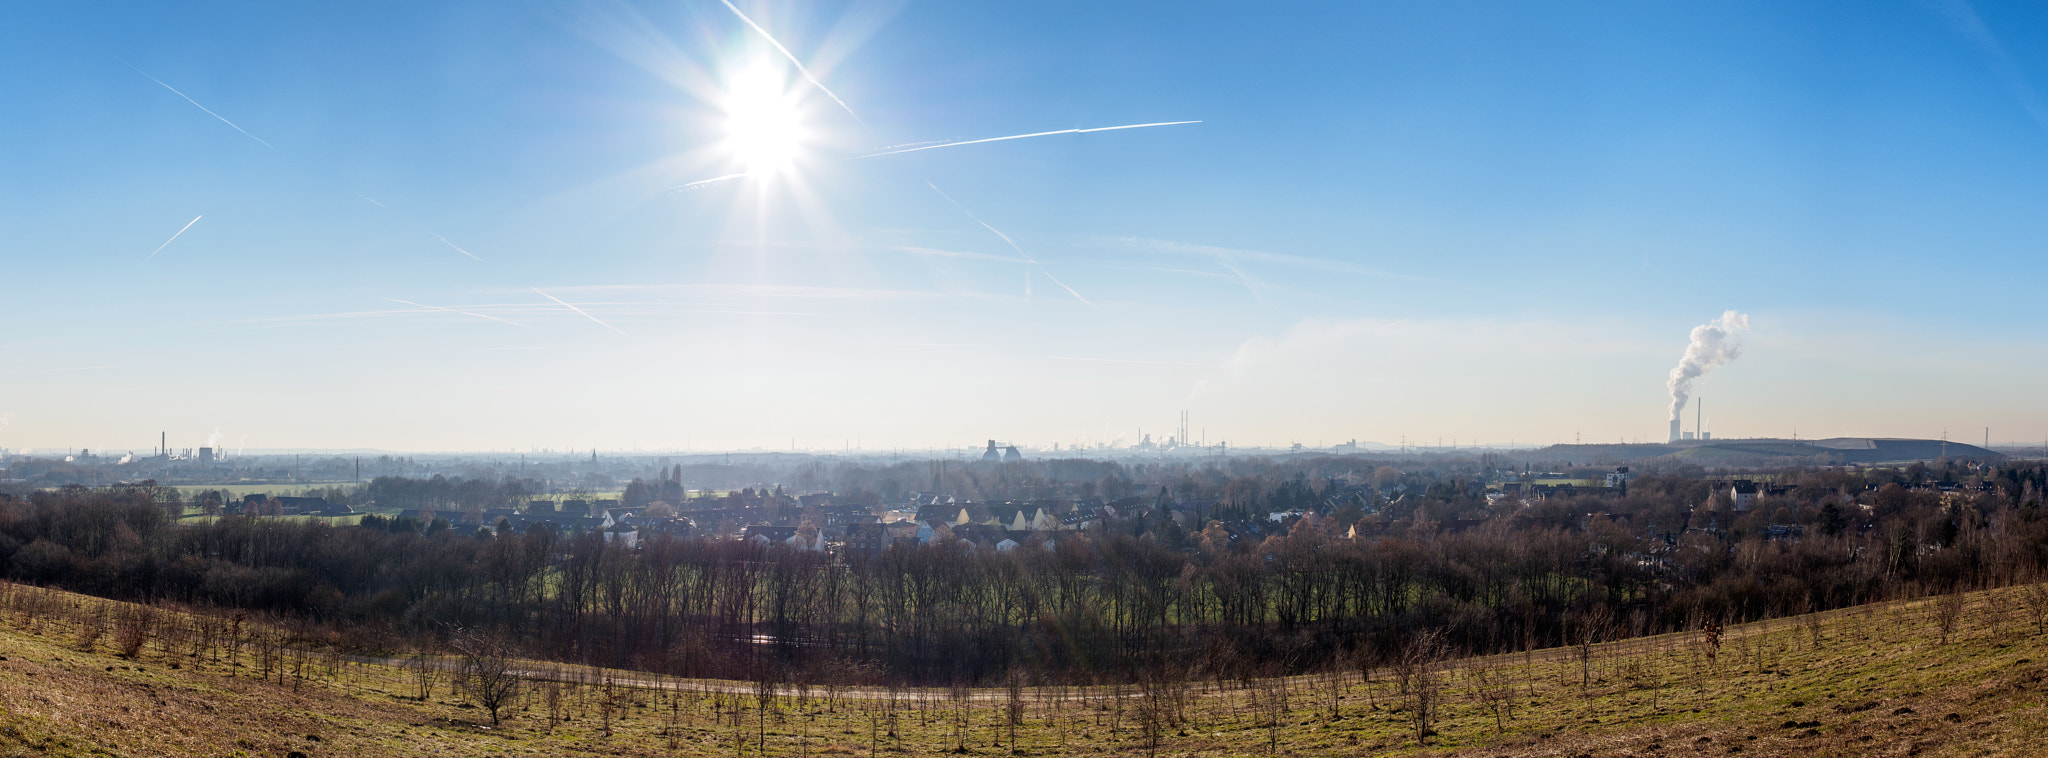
(1875, 680)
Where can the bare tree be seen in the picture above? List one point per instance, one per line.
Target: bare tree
(1331, 679)
(551, 696)
(1811, 620)
(611, 699)
(766, 676)
(1948, 613)
(1418, 670)
(1269, 698)
(426, 673)
(2037, 605)
(1496, 691)
(1013, 686)
(1588, 630)
(488, 675)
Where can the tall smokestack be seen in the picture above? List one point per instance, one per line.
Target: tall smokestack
(1699, 418)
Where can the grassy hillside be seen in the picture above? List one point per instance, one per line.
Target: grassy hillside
(1877, 680)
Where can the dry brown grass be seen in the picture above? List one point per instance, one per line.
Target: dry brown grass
(1868, 681)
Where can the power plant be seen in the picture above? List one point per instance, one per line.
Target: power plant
(1699, 432)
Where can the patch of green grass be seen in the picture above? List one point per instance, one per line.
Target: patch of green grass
(237, 491)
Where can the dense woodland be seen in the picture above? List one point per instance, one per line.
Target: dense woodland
(1132, 599)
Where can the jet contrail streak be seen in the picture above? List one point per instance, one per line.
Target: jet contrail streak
(1013, 243)
(565, 304)
(1020, 136)
(709, 182)
(792, 59)
(452, 310)
(444, 241)
(195, 103)
(174, 237)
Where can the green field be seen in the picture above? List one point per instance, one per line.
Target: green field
(236, 491)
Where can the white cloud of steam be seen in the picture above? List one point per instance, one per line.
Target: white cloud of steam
(213, 440)
(6, 419)
(1713, 344)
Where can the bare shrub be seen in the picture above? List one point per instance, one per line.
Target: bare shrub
(134, 631)
(1496, 693)
(1710, 640)
(426, 673)
(1418, 671)
(1588, 630)
(1811, 621)
(1948, 613)
(92, 625)
(487, 675)
(2037, 605)
(1269, 699)
(551, 696)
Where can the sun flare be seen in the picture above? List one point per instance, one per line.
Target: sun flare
(764, 125)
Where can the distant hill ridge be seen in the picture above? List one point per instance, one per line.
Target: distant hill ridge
(1831, 450)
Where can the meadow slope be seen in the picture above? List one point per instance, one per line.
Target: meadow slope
(1873, 680)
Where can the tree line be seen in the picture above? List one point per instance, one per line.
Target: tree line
(1115, 604)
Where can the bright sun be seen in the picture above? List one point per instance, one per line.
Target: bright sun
(764, 126)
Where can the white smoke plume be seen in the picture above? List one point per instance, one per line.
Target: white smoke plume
(1713, 343)
(5, 419)
(213, 440)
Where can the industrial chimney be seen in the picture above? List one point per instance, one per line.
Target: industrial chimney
(1674, 430)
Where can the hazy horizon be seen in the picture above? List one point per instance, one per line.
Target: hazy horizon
(474, 226)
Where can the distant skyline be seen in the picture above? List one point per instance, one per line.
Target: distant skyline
(490, 226)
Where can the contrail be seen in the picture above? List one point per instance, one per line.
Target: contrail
(1013, 243)
(174, 237)
(793, 61)
(444, 241)
(367, 198)
(209, 112)
(708, 182)
(452, 310)
(1020, 136)
(565, 304)
(949, 144)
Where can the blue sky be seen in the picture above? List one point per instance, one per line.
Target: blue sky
(1473, 221)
